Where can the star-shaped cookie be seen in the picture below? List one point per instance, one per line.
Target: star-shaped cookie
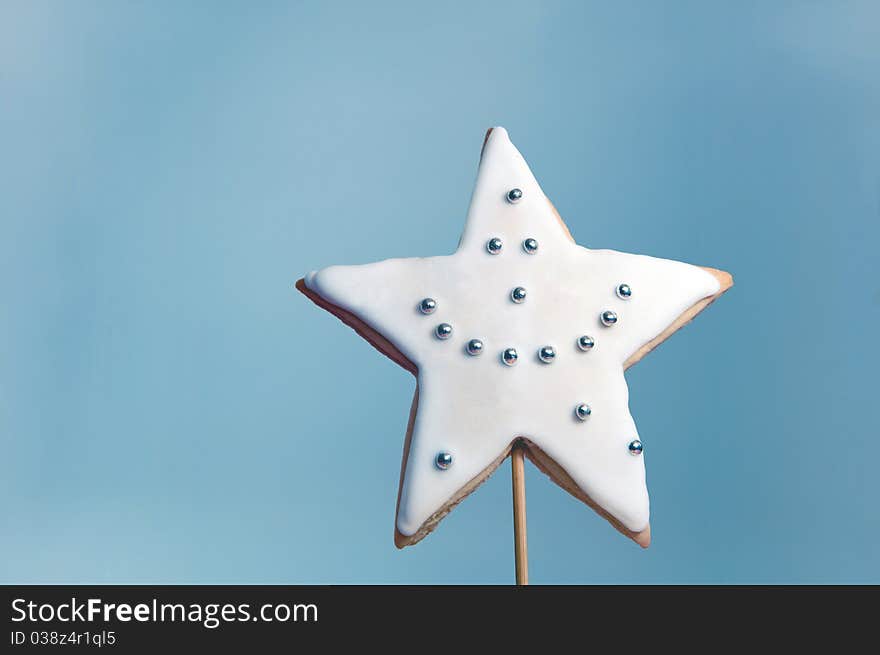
(519, 335)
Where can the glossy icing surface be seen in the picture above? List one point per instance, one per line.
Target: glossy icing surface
(472, 407)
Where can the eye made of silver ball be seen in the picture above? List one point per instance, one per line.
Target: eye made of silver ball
(514, 196)
(518, 295)
(608, 318)
(624, 291)
(494, 246)
(530, 245)
(427, 306)
(635, 447)
(443, 331)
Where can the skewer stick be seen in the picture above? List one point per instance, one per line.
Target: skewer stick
(520, 541)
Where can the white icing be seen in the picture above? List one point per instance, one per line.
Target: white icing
(472, 407)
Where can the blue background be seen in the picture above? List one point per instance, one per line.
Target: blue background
(171, 410)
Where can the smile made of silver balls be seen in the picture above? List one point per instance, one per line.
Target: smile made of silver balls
(509, 356)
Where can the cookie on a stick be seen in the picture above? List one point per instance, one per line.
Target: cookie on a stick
(519, 338)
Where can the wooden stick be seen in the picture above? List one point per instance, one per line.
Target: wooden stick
(520, 541)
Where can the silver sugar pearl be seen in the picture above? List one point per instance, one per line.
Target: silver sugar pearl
(583, 411)
(608, 318)
(624, 292)
(443, 331)
(494, 245)
(514, 196)
(586, 343)
(635, 447)
(474, 347)
(530, 245)
(427, 306)
(443, 461)
(547, 354)
(518, 295)
(509, 356)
